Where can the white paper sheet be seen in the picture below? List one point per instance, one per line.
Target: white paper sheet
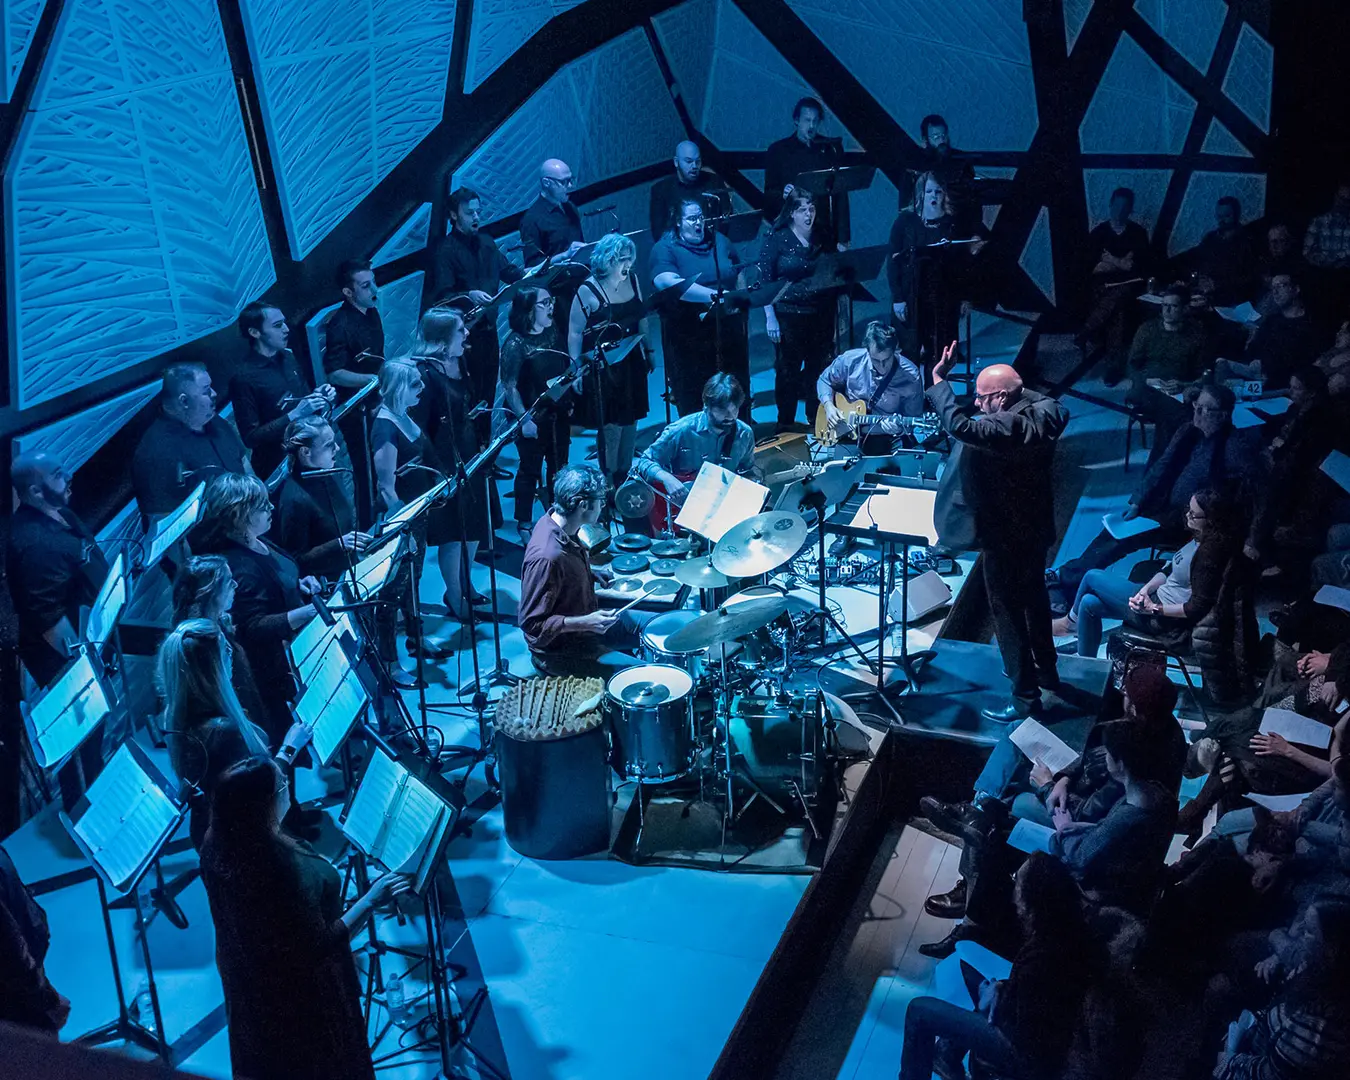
(67, 712)
(1242, 313)
(1245, 417)
(1296, 728)
(1337, 466)
(172, 526)
(332, 719)
(900, 511)
(1035, 740)
(719, 500)
(1333, 596)
(1277, 803)
(372, 808)
(1273, 406)
(1118, 527)
(107, 606)
(127, 817)
(1028, 836)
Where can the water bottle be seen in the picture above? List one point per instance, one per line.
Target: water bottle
(395, 1002)
(143, 897)
(143, 1008)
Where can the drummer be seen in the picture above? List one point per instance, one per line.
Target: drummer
(559, 613)
(713, 434)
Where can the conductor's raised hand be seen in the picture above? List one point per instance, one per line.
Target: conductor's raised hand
(945, 363)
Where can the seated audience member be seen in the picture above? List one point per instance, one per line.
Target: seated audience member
(1281, 257)
(185, 443)
(1168, 353)
(315, 519)
(269, 391)
(1178, 596)
(1023, 1025)
(1207, 453)
(204, 725)
(1225, 254)
(888, 383)
(1285, 340)
(564, 626)
(272, 600)
(282, 939)
(1086, 788)
(27, 997)
(1304, 1033)
(1337, 358)
(1120, 253)
(203, 588)
(1326, 244)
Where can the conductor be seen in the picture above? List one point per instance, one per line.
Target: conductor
(996, 496)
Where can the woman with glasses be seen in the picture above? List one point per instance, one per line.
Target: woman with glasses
(531, 358)
(693, 334)
(799, 322)
(606, 310)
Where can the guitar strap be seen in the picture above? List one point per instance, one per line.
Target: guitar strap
(880, 387)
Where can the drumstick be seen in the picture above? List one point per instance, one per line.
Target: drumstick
(637, 599)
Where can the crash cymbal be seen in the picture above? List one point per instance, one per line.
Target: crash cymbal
(726, 624)
(629, 564)
(672, 549)
(701, 574)
(631, 542)
(665, 567)
(760, 544)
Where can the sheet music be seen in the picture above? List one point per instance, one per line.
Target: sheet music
(1273, 406)
(112, 597)
(1296, 728)
(311, 645)
(1028, 836)
(127, 817)
(372, 809)
(172, 527)
(1116, 524)
(899, 511)
(1277, 803)
(1035, 740)
(719, 500)
(67, 712)
(1333, 596)
(414, 821)
(372, 572)
(331, 705)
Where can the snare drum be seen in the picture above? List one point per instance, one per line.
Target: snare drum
(651, 711)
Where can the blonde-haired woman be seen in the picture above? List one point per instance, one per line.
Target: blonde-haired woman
(607, 308)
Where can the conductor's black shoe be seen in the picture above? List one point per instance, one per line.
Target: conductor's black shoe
(1011, 713)
(948, 905)
(940, 950)
(961, 819)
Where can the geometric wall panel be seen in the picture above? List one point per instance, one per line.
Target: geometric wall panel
(409, 237)
(605, 113)
(133, 217)
(400, 309)
(1190, 26)
(1137, 108)
(688, 36)
(1037, 258)
(1247, 83)
(1075, 15)
(1149, 187)
(316, 336)
(347, 90)
(1196, 216)
(500, 27)
(76, 438)
(903, 50)
(1219, 140)
(18, 21)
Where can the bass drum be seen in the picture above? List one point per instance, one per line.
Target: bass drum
(789, 750)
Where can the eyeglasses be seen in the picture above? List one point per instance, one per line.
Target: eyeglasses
(1207, 410)
(987, 395)
(544, 303)
(567, 182)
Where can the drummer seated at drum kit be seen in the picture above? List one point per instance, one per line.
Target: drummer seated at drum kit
(866, 391)
(560, 615)
(714, 433)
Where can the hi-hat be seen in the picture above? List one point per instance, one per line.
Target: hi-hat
(701, 574)
(726, 624)
(760, 544)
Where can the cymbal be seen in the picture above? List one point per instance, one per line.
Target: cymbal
(726, 624)
(645, 693)
(629, 564)
(632, 542)
(701, 574)
(672, 549)
(665, 567)
(760, 544)
(633, 499)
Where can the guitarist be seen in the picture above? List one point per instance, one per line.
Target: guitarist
(714, 433)
(887, 383)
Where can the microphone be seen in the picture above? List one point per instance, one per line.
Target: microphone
(415, 464)
(323, 472)
(481, 409)
(600, 210)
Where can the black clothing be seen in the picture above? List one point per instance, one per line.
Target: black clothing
(1133, 239)
(444, 417)
(784, 258)
(53, 571)
(955, 173)
(1113, 315)
(666, 192)
(1229, 261)
(171, 459)
(347, 335)
(1284, 345)
(785, 160)
(931, 281)
(624, 384)
(805, 319)
(263, 391)
(313, 514)
(292, 998)
(469, 261)
(26, 997)
(689, 331)
(532, 361)
(414, 482)
(546, 229)
(214, 745)
(998, 495)
(267, 587)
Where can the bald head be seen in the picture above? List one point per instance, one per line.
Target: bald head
(555, 180)
(997, 387)
(688, 162)
(40, 480)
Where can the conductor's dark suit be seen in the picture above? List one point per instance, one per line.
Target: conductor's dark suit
(996, 496)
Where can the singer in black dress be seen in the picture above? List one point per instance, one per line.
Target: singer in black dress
(607, 309)
(315, 519)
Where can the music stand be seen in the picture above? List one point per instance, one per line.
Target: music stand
(738, 228)
(718, 500)
(101, 621)
(173, 526)
(845, 269)
(67, 712)
(120, 824)
(333, 699)
(837, 180)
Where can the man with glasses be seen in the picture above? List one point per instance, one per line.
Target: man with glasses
(1206, 453)
(693, 335)
(552, 225)
(997, 497)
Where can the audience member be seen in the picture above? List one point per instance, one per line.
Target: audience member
(1119, 250)
(27, 997)
(1167, 354)
(1281, 256)
(1326, 244)
(1225, 254)
(1286, 340)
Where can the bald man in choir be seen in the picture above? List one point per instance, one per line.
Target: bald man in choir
(552, 225)
(185, 444)
(690, 178)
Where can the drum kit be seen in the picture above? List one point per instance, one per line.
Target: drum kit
(710, 704)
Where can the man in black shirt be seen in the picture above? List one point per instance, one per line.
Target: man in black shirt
(186, 443)
(806, 151)
(552, 225)
(1225, 255)
(689, 178)
(353, 347)
(953, 172)
(1119, 249)
(269, 391)
(1285, 340)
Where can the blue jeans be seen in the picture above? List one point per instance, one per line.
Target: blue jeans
(928, 1019)
(1100, 596)
(1005, 772)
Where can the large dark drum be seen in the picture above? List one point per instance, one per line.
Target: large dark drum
(555, 794)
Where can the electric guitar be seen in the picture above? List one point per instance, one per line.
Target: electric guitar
(854, 421)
